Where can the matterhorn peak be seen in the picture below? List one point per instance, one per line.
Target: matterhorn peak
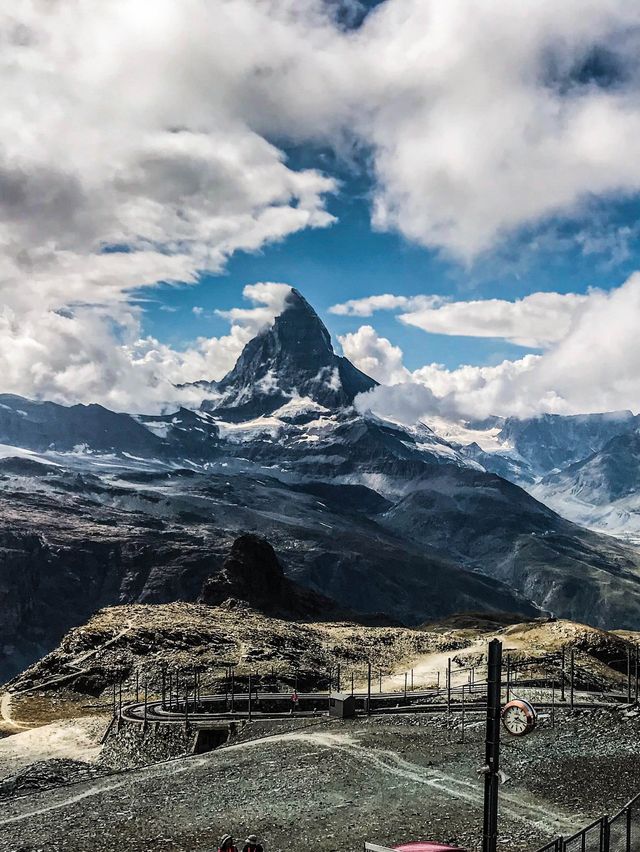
(291, 358)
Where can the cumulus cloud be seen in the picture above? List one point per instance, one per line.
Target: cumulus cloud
(368, 305)
(486, 117)
(595, 366)
(538, 320)
(374, 355)
(128, 159)
(143, 146)
(90, 354)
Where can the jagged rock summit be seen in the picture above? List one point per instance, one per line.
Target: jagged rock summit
(293, 358)
(253, 574)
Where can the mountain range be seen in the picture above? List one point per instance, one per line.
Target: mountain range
(414, 522)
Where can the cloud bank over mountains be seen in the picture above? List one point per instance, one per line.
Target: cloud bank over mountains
(591, 360)
(145, 144)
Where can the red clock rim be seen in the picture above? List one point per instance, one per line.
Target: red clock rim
(528, 711)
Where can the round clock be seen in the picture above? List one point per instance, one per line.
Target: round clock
(519, 717)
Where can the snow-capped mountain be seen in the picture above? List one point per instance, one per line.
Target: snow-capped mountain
(293, 359)
(582, 466)
(601, 491)
(99, 507)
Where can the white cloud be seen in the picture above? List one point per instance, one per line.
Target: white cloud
(374, 355)
(91, 354)
(152, 132)
(595, 366)
(489, 116)
(538, 320)
(366, 306)
(128, 158)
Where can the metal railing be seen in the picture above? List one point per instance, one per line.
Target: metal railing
(619, 833)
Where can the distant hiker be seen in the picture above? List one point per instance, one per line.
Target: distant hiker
(294, 701)
(252, 844)
(227, 844)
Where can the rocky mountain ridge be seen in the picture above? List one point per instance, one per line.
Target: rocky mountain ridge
(376, 515)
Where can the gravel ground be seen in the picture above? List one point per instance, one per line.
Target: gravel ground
(330, 785)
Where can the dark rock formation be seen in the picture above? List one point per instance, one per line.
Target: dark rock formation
(252, 573)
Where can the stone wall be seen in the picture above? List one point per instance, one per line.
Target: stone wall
(130, 744)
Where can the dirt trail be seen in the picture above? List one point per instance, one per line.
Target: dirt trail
(541, 817)
(6, 719)
(427, 667)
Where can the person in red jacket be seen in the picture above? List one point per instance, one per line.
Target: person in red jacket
(252, 844)
(227, 844)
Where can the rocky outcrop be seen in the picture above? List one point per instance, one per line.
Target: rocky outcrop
(252, 573)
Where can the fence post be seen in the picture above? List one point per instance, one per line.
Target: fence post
(628, 846)
(249, 696)
(508, 695)
(380, 680)
(636, 692)
(115, 705)
(572, 672)
(120, 698)
(562, 695)
(145, 701)
(605, 834)
(352, 683)
(405, 686)
(368, 689)
(628, 675)
(411, 680)
(137, 686)
(233, 690)
(449, 685)
(338, 676)
(462, 738)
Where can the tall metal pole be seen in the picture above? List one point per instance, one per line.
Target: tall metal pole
(120, 697)
(115, 705)
(508, 696)
(338, 676)
(405, 686)
(411, 680)
(462, 740)
(629, 675)
(137, 686)
(636, 693)
(562, 695)
(492, 747)
(249, 696)
(380, 681)
(368, 689)
(449, 685)
(145, 700)
(352, 683)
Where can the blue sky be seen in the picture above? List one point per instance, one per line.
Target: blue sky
(350, 260)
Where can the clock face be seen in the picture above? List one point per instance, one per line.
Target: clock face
(518, 717)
